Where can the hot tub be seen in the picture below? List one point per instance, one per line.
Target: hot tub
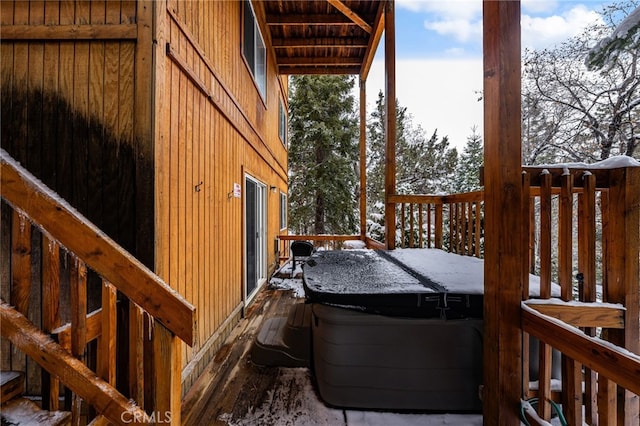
(387, 336)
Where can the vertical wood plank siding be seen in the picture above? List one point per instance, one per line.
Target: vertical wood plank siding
(217, 128)
(149, 150)
(67, 109)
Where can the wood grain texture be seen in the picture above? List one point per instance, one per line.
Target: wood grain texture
(77, 376)
(503, 193)
(102, 254)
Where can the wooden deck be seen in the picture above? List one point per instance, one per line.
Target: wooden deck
(232, 385)
(234, 391)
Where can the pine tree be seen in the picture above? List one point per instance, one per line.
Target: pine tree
(423, 165)
(469, 164)
(323, 155)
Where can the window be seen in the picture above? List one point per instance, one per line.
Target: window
(282, 124)
(253, 48)
(283, 211)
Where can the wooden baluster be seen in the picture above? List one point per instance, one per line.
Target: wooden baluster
(50, 313)
(78, 281)
(411, 226)
(587, 268)
(439, 224)
(460, 237)
(420, 226)
(20, 276)
(469, 230)
(106, 365)
(167, 369)
(607, 389)
(452, 228)
(544, 379)
(402, 226)
(137, 339)
(477, 222)
(429, 231)
(571, 370)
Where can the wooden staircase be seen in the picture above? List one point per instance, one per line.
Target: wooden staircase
(18, 410)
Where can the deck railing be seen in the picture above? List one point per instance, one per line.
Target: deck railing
(103, 326)
(583, 225)
(324, 242)
(450, 222)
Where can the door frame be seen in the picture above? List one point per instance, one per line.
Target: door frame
(261, 247)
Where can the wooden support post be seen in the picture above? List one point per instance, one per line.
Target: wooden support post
(504, 252)
(390, 122)
(363, 159)
(623, 249)
(167, 366)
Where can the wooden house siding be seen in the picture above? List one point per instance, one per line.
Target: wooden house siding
(143, 115)
(214, 128)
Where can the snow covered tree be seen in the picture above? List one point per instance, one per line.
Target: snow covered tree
(323, 155)
(469, 163)
(573, 113)
(424, 165)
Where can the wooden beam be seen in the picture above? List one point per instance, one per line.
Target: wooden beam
(374, 41)
(319, 42)
(622, 368)
(346, 10)
(69, 32)
(319, 61)
(75, 375)
(582, 314)
(390, 123)
(504, 251)
(94, 247)
(320, 70)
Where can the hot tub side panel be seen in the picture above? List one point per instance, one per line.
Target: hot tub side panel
(377, 362)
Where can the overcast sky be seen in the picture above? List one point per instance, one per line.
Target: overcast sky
(439, 56)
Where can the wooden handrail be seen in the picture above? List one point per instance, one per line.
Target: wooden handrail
(96, 249)
(55, 359)
(319, 237)
(614, 364)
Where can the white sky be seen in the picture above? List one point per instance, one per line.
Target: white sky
(439, 56)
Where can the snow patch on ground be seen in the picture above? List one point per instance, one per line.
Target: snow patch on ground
(294, 284)
(294, 402)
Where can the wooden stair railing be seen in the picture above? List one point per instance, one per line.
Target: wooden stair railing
(173, 317)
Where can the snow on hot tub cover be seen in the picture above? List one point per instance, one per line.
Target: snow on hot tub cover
(373, 281)
(401, 282)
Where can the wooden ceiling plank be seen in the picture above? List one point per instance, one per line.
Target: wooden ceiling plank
(349, 13)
